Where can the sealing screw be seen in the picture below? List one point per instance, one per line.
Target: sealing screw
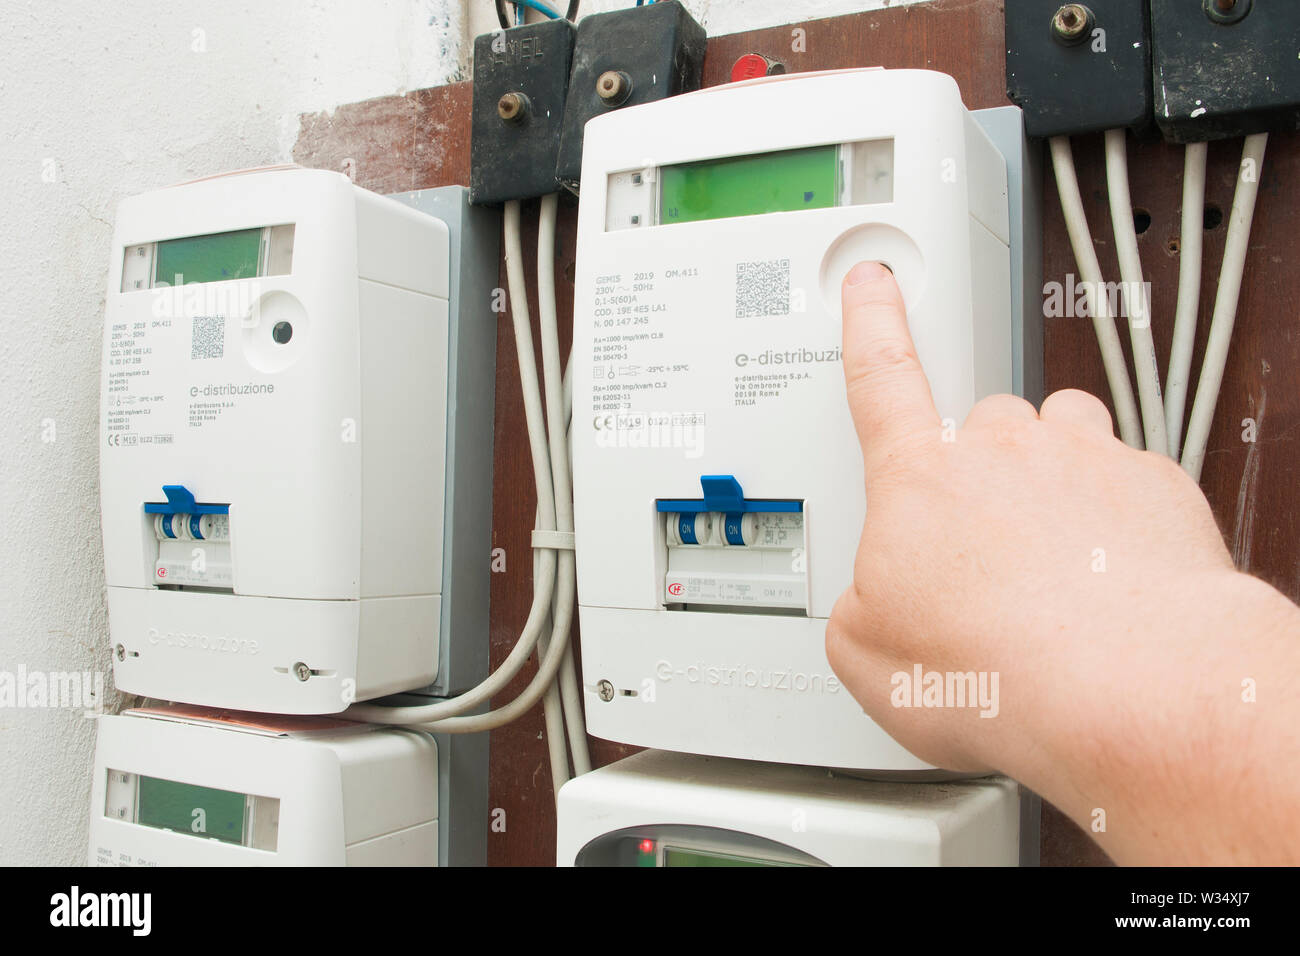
(1072, 23)
(1226, 12)
(513, 107)
(301, 671)
(121, 652)
(613, 87)
(606, 691)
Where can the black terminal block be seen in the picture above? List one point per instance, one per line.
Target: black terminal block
(520, 78)
(624, 58)
(1079, 67)
(1225, 67)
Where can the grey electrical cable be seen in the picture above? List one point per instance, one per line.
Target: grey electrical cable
(1135, 296)
(553, 712)
(1225, 303)
(546, 671)
(553, 703)
(558, 413)
(570, 687)
(1189, 293)
(1112, 356)
(548, 564)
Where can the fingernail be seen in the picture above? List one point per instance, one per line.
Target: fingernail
(865, 272)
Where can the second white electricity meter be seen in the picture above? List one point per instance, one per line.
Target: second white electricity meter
(277, 394)
(657, 808)
(718, 479)
(185, 786)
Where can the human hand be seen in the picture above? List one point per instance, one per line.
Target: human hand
(1090, 577)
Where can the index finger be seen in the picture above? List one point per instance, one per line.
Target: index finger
(889, 394)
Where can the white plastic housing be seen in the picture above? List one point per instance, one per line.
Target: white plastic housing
(665, 342)
(685, 800)
(357, 797)
(329, 449)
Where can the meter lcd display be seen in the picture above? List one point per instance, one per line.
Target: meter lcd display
(185, 808)
(676, 856)
(750, 185)
(214, 258)
(211, 257)
(192, 810)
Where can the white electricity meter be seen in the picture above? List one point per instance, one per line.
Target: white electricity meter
(178, 786)
(718, 479)
(658, 808)
(279, 480)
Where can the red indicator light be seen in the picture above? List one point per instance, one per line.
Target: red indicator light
(647, 846)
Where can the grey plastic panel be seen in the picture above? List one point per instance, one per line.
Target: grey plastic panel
(475, 234)
(1004, 125)
(471, 377)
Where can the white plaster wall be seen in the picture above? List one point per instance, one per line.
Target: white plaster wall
(116, 99)
(97, 102)
(718, 17)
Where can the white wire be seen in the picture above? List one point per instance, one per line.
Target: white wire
(1134, 290)
(570, 688)
(558, 413)
(1225, 303)
(546, 671)
(552, 702)
(1112, 356)
(1189, 292)
(544, 581)
(553, 711)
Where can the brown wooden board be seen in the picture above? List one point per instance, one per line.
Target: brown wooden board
(421, 139)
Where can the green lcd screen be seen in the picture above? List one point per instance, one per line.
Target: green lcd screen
(675, 856)
(185, 808)
(212, 258)
(750, 185)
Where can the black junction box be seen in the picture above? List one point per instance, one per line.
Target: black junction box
(623, 58)
(1225, 68)
(520, 78)
(1079, 67)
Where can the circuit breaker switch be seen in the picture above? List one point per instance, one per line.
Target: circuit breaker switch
(728, 551)
(690, 529)
(776, 530)
(209, 527)
(165, 526)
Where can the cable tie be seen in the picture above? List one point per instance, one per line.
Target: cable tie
(558, 540)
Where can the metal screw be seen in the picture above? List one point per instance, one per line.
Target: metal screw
(301, 671)
(513, 107)
(121, 652)
(613, 87)
(606, 691)
(1226, 12)
(1072, 23)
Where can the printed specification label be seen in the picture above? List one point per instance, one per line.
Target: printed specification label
(133, 400)
(166, 376)
(625, 362)
(647, 340)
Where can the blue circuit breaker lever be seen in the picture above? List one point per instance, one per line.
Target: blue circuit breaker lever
(180, 501)
(723, 493)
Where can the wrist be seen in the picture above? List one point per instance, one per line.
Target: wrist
(1171, 715)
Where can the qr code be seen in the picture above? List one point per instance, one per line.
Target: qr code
(209, 339)
(762, 288)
